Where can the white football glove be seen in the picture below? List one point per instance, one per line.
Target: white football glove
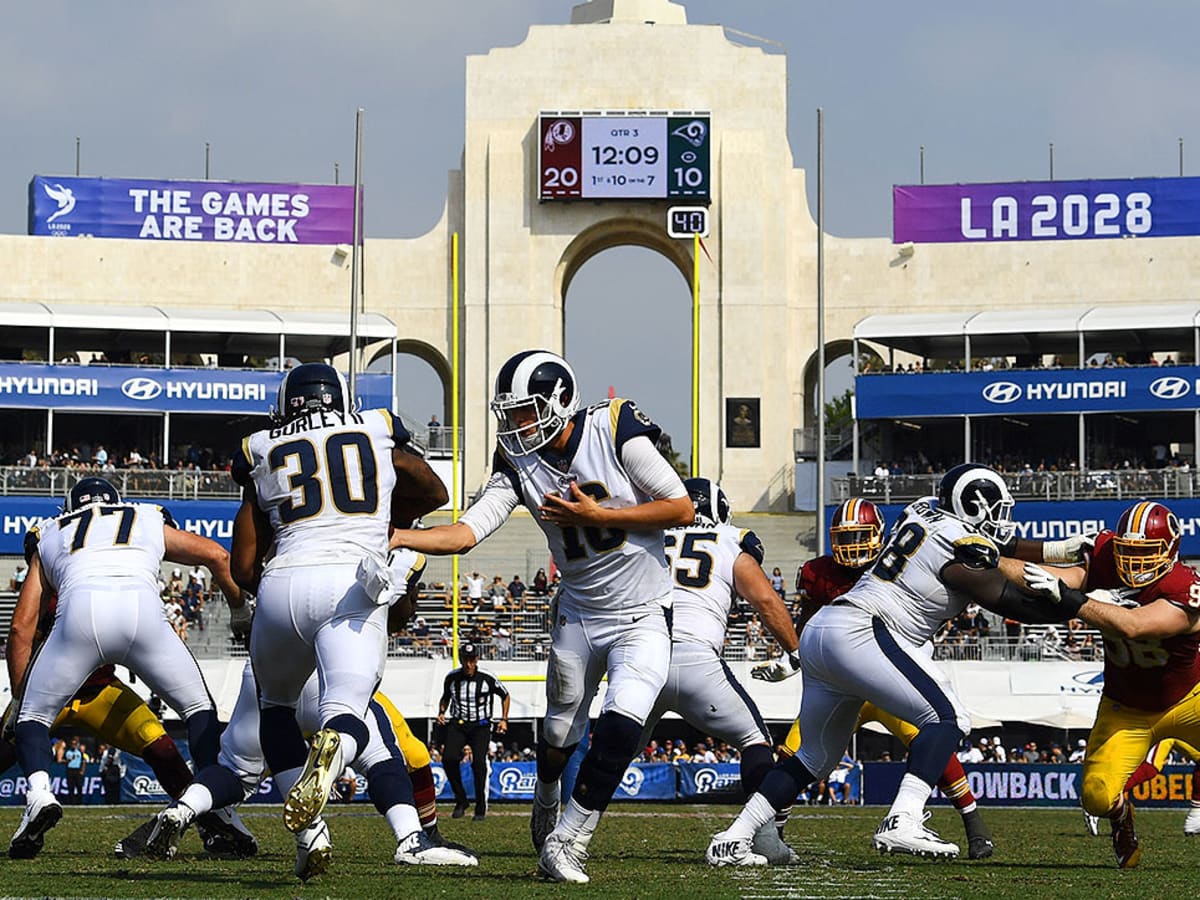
(240, 618)
(1069, 550)
(778, 669)
(1038, 579)
(1119, 597)
(385, 584)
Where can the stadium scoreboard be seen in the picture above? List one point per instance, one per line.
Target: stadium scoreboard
(624, 157)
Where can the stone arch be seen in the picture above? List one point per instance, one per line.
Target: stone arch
(428, 354)
(833, 350)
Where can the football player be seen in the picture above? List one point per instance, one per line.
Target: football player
(872, 644)
(321, 488)
(391, 747)
(102, 557)
(711, 562)
(856, 539)
(1147, 605)
(602, 494)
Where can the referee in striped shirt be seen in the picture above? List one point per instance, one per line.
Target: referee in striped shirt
(469, 694)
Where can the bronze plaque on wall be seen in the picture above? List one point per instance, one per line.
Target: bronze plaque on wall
(741, 422)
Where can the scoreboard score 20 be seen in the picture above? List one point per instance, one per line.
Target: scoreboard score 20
(623, 157)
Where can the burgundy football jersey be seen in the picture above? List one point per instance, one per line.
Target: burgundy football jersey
(1151, 674)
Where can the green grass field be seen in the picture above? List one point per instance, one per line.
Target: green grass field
(641, 850)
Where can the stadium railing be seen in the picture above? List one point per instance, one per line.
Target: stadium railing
(1109, 484)
(169, 484)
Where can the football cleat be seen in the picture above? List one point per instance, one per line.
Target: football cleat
(726, 850)
(979, 838)
(225, 835)
(436, 838)
(902, 833)
(1091, 823)
(314, 850)
(769, 843)
(1124, 838)
(1191, 825)
(542, 820)
(134, 845)
(560, 860)
(42, 812)
(306, 800)
(169, 826)
(419, 850)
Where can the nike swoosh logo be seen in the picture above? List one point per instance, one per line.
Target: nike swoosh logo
(639, 618)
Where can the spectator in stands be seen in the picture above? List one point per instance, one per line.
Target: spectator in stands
(474, 589)
(420, 635)
(998, 753)
(754, 638)
(836, 782)
(436, 437)
(516, 591)
(193, 604)
(498, 592)
(112, 771)
(1079, 752)
(541, 584)
(1055, 754)
(76, 760)
(1169, 361)
(1031, 754)
(18, 577)
(969, 753)
(777, 584)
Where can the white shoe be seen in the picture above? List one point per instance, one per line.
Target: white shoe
(306, 800)
(169, 826)
(42, 812)
(314, 850)
(725, 850)
(418, 850)
(1091, 823)
(542, 821)
(1191, 825)
(561, 860)
(768, 843)
(902, 833)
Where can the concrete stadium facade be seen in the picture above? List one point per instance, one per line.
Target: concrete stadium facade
(758, 298)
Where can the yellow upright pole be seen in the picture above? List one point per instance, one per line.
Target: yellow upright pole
(454, 432)
(695, 354)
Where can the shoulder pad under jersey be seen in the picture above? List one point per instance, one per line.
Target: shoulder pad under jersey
(976, 552)
(750, 543)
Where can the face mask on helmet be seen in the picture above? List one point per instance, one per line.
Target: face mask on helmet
(1146, 544)
(310, 387)
(856, 534)
(535, 398)
(709, 501)
(978, 496)
(90, 490)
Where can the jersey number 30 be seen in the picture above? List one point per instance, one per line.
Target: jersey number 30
(304, 476)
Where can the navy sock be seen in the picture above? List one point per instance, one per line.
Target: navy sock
(615, 740)
(204, 737)
(389, 785)
(282, 743)
(224, 786)
(931, 748)
(784, 782)
(353, 726)
(33, 747)
(757, 760)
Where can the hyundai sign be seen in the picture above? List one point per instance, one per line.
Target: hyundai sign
(1031, 391)
(1046, 210)
(229, 212)
(138, 389)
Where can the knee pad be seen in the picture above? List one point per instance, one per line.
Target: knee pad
(552, 761)
(757, 760)
(1099, 794)
(389, 785)
(283, 745)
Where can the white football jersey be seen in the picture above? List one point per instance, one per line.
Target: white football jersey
(701, 561)
(903, 586)
(325, 481)
(601, 567)
(103, 540)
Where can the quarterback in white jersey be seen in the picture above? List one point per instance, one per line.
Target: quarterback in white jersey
(597, 486)
(711, 563)
(102, 558)
(321, 488)
(871, 644)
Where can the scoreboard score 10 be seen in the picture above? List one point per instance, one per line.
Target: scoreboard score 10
(623, 157)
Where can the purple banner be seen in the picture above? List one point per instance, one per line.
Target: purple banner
(225, 211)
(1046, 210)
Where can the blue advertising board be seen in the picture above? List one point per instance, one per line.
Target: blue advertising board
(1027, 391)
(1046, 210)
(1042, 520)
(145, 389)
(1025, 784)
(225, 211)
(208, 518)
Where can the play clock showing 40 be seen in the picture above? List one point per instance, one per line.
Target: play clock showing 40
(623, 157)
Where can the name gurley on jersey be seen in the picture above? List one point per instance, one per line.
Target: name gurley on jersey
(314, 421)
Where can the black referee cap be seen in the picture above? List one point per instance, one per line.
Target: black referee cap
(468, 651)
